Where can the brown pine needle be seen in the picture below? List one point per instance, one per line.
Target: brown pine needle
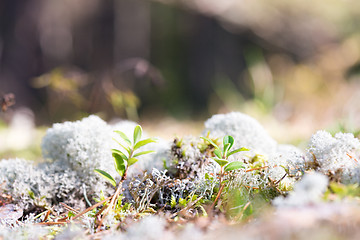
(90, 208)
(51, 223)
(69, 208)
(111, 204)
(47, 215)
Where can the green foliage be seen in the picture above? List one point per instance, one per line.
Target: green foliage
(173, 201)
(124, 159)
(341, 191)
(221, 158)
(233, 166)
(106, 176)
(222, 155)
(240, 205)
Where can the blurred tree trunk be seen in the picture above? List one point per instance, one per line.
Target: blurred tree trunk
(20, 55)
(132, 29)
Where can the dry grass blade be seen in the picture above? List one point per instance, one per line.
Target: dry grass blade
(90, 208)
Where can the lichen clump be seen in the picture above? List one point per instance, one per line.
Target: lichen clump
(335, 156)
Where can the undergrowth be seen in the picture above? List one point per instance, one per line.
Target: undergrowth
(204, 180)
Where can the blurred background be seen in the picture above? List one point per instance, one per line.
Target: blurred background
(293, 65)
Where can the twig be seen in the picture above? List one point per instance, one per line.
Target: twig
(278, 181)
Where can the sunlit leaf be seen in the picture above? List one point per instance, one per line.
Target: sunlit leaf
(221, 162)
(237, 150)
(211, 142)
(132, 161)
(143, 152)
(106, 176)
(123, 146)
(233, 166)
(143, 143)
(120, 153)
(137, 133)
(123, 136)
(218, 153)
(228, 140)
(119, 164)
(226, 149)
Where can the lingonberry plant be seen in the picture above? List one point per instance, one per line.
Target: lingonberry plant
(123, 160)
(222, 158)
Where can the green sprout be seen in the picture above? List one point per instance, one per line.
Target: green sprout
(221, 158)
(123, 160)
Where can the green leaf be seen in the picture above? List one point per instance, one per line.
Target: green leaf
(233, 166)
(71, 214)
(226, 149)
(143, 143)
(131, 161)
(123, 136)
(31, 194)
(211, 142)
(173, 201)
(120, 153)
(106, 176)
(119, 164)
(228, 140)
(137, 133)
(237, 150)
(221, 162)
(208, 177)
(142, 153)
(125, 147)
(182, 202)
(218, 153)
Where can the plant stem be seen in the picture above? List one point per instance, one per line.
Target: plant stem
(217, 196)
(220, 189)
(113, 199)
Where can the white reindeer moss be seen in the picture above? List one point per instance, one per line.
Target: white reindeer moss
(336, 156)
(82, 145)
(308, 190)
(246, 131)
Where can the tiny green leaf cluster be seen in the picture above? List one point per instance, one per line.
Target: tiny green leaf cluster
(124, 159)
(223, 154)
